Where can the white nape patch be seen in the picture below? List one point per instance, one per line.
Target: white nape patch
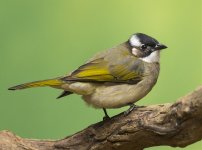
(153, 57)
(135, 41)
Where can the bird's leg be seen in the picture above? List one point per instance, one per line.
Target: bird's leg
(106, 117)
(132, 107)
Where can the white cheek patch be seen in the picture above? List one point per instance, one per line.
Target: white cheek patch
(153, 57)
(135, 51)
(134, 41)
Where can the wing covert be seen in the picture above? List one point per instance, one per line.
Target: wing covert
(101, 70)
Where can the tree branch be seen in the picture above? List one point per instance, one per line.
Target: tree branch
(177, 125)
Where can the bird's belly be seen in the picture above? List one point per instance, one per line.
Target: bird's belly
(117, 95)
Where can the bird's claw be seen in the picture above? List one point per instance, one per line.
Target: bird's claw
(106, 118)
(132, 107)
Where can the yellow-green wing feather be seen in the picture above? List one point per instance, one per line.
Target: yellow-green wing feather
(102, 71)
(114, 65)
(96, 70)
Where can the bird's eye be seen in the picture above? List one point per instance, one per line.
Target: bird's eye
(143, 46)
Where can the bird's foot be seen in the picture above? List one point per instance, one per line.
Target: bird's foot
(106, 117)
(132, 107)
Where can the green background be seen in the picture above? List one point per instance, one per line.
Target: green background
(41, 39)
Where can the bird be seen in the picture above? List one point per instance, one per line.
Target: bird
(114, 78)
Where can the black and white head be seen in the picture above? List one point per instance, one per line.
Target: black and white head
(146, 47)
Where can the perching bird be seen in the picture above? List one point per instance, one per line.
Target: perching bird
(120, 76)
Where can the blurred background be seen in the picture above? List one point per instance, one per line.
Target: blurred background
(42, 39)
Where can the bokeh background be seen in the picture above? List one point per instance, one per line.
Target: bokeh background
(42, 39)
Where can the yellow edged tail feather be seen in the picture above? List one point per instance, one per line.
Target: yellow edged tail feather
(50, 82)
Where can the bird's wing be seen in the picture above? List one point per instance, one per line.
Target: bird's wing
(102, 70)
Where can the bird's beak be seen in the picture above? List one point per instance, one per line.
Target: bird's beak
(160, 47)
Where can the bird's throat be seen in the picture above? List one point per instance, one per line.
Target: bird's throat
(152, 58)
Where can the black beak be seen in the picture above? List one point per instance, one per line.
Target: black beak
(160, 47)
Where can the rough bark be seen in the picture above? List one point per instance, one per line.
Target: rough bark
(177, 125)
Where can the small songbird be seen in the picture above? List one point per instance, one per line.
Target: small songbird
(117, 77)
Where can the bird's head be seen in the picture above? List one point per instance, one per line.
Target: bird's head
(145, 47)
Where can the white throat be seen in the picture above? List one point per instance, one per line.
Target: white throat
(153, 57)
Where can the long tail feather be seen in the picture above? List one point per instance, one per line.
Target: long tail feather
(50, 82)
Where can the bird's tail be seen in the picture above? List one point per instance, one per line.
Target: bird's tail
(51, 82)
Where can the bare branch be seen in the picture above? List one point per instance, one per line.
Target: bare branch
(177, 125)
